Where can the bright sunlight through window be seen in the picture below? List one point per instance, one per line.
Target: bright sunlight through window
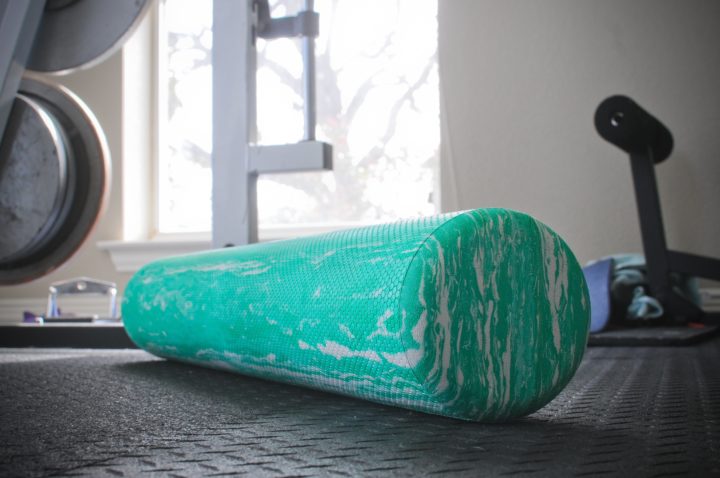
(377, 92)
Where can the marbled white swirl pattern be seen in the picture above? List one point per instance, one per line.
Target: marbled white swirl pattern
(479, 315)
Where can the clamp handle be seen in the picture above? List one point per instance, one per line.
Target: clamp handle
(82, 285)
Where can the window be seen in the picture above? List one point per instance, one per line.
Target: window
(184, 178)
(377, 91)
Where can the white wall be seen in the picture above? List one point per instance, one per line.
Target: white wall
(520, 82)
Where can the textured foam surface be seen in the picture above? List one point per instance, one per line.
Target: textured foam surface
(481, 315)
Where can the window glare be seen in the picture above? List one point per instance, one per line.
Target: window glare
(185, 129)
(377, 104)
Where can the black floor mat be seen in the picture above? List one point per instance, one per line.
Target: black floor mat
(651, 411)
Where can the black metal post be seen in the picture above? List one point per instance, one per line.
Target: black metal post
(651, 224)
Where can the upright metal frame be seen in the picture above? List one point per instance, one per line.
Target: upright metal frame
(236, 160)
(19, 21)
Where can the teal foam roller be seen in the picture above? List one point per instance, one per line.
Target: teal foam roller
(479, 315)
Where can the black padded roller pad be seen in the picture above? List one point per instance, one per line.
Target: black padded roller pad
(628, 126)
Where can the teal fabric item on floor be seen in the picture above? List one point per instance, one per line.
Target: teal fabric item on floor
(479, 315)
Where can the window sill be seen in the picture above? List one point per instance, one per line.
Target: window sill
(130, 256)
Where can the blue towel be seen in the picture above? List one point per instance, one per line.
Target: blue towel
(598, 275)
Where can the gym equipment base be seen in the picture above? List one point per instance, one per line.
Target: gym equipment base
(78, 335)
(643, 411)
(653, 336)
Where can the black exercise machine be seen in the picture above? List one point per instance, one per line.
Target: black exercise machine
(622, 122)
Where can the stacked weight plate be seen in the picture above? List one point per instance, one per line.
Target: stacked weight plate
(54, 162)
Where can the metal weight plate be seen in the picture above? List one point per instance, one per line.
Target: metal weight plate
(54, 180)
(33, 179)
(77, 34)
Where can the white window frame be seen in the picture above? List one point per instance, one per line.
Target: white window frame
(142, 133)
(141, 141)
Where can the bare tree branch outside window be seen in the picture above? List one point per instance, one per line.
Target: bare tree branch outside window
(377, 104)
